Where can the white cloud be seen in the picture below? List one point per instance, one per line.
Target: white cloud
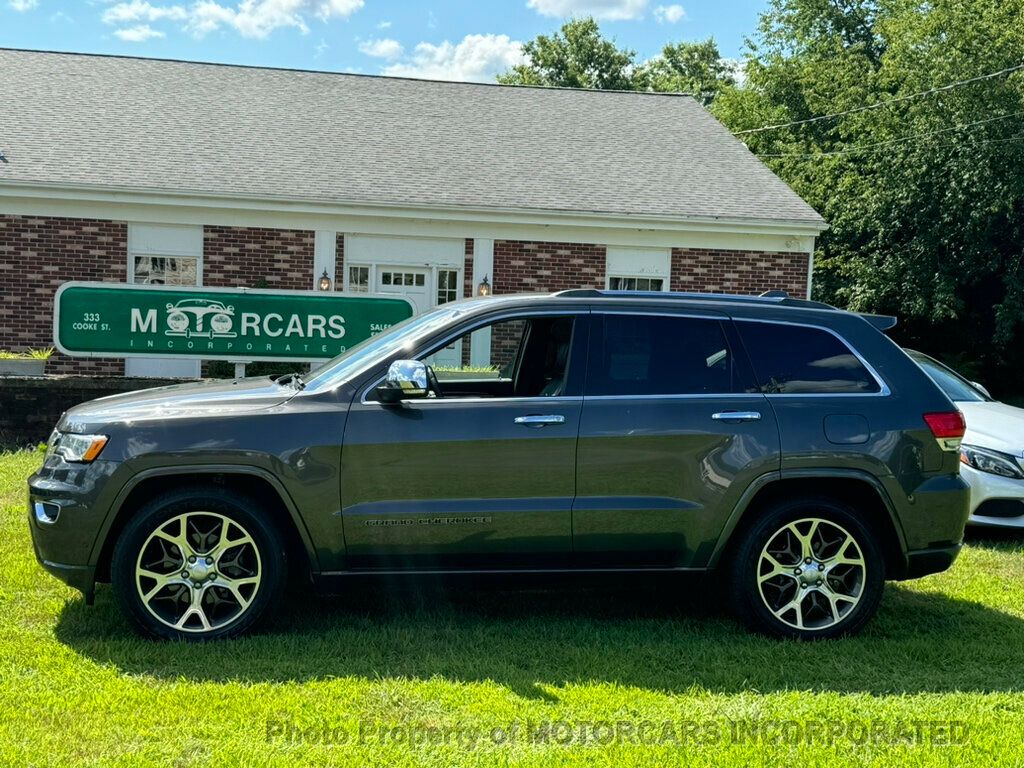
(385, 48)
(612, 10)
(139, 10)
(258, 18)
(384, 25)
(23, 5)
(476, 58)
(669, 14)
(138, 34)
(249, 18)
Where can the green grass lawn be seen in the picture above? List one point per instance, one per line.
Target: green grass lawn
(465, 676)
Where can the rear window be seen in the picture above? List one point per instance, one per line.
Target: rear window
(660, 355)
(797, 359)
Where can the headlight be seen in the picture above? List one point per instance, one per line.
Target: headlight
(993, 462)
(83, 448)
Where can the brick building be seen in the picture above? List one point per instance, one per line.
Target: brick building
(136, 170)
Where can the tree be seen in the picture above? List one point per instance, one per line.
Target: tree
(694, 68)
(576, 57)
(925, 195)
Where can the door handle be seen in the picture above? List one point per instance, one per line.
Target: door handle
(540, 421)
(736, 416)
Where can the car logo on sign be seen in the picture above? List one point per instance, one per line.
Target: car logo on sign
(202, 318)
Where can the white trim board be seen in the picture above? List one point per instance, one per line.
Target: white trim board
(580, 227)
(405, 251)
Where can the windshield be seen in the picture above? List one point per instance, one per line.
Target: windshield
(957, 388)
(357, 359)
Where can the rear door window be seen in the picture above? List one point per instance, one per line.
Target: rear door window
(635, 355)
(799, 359)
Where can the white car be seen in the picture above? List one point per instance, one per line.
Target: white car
(992, 453)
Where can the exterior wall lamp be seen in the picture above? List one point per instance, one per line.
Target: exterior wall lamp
(484, 289)
(325, 281)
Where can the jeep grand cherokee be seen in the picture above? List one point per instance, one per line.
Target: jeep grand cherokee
(787, 446)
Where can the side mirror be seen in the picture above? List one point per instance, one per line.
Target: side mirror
(981, 389)
(406, 380)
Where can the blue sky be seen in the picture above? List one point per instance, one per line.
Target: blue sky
(448, 39)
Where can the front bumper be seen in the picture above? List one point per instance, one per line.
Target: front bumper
(987, 488)
(65, 519)
(923, 562)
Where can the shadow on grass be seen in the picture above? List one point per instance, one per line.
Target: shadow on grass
(1002, 539)
(643, 636)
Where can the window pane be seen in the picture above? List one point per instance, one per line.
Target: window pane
(956, 388)
(652, 355)
(447, 286)
(166, 270)
(420, 280)
(359, 279)
(493, 348)
(795, 359)
(620, 283)
(385, 278)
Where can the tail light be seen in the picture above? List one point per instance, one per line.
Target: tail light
(948, 428)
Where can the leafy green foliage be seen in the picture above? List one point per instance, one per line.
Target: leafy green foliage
(924, 196)
(694, 68)
(577, 56)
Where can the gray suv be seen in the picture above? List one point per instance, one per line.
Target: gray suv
(788, 447)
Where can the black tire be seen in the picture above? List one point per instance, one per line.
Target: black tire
(268, 564)
(751, 602)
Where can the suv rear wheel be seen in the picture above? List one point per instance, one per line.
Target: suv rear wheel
(808, 568)
(198, 564)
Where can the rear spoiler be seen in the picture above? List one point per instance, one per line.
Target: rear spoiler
(881, 322)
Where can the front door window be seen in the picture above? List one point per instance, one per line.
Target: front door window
(518, 357)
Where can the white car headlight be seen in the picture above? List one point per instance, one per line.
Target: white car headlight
(78, 448)
(993, 462)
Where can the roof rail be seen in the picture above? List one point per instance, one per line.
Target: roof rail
(768, 297)
(778, 298)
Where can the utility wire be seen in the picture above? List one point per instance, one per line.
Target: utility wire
(900, 139)
(894, 100)
(811, 156)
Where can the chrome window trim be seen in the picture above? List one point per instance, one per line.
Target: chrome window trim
(883, 387)
(447, 400)
(689, 396)
(485, 321)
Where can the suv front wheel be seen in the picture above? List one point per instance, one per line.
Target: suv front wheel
(198, 564)
(807, 569)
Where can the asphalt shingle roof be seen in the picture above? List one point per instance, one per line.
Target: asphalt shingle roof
(171, 126)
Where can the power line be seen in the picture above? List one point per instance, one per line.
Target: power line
(811, 156)
(894, 100)
(900, 139)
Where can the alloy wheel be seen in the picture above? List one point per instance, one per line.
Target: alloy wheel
(811, 574)
(198, 572)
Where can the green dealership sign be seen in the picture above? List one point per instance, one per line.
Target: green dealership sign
(113, 320)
